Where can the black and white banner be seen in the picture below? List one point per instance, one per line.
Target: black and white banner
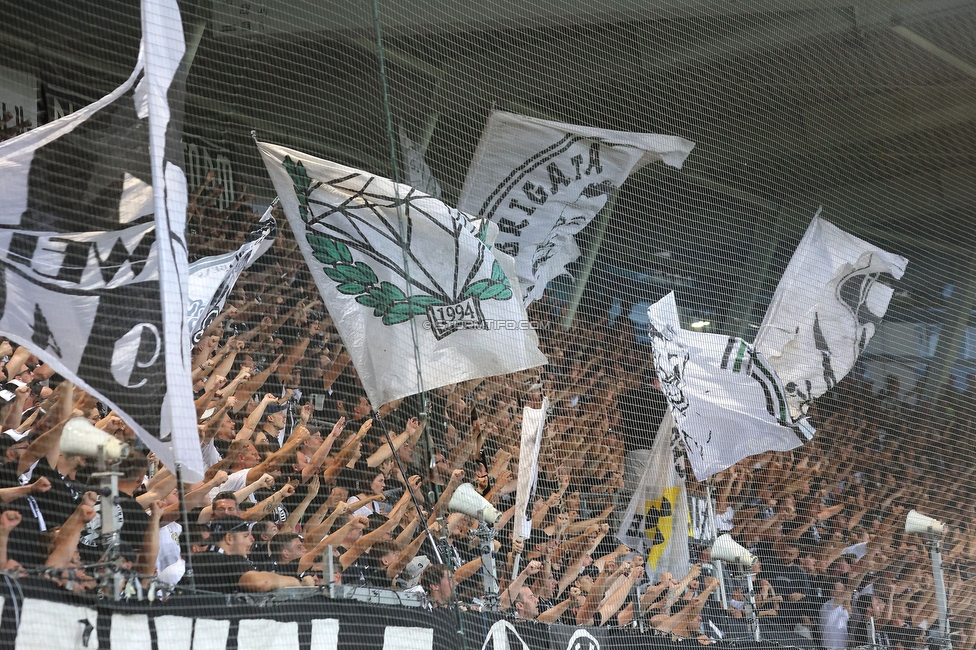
(826, 308)
(39, 616)
(413, 285)
(212, 278)
(87, 282)
(726, 401)
(542, 182)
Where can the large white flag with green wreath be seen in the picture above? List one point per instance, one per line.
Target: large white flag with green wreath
(418, 296)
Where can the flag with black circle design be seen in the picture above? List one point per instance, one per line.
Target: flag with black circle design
(826, 308)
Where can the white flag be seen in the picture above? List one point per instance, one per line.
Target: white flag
(212, 278)
(542, 182)
(726, 402)
(416, 170)
(656, 521)
(533, 423)
(383, 281)
(92, 287)
(825, 310)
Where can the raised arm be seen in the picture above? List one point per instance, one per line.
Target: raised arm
(317, 460)
(264, 508)
(274, 461)
(296, 515)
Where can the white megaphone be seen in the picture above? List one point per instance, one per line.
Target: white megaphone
(80, 438)
(916, 522)
(467, 501)
(728, 550)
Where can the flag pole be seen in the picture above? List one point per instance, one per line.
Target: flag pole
(712, 533)
(413, 497)
(185, 519)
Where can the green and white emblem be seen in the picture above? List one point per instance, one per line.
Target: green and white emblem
(353, 238)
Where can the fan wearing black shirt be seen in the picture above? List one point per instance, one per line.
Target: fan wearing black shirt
(227, 568)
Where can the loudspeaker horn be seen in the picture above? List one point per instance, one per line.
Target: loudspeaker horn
(916, 522)
(467, 501)
(727, 549)
(80, 438)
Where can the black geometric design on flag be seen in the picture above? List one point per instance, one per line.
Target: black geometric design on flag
(654, 516)
(604, 188)
(86, 632)
(852, 292)
(43, 337)
(820, 341)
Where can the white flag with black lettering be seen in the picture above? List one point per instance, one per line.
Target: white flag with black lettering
(826, 308)
(212, 278)
(656, 521)
(85, 286)
(427, 290)
(542, 182)
(726, 401)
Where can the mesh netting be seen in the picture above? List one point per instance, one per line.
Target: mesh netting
(701, 145)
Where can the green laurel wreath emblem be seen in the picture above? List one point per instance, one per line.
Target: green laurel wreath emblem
(355, 278)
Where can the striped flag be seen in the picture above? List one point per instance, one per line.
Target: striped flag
(727, 402)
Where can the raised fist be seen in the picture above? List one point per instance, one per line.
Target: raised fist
(9, 520)
(360, 521)
(40, 485)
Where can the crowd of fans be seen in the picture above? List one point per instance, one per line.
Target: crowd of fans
(300, 464)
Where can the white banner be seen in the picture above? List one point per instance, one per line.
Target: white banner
(656, 521)
(124, 339)
(533, 423)
(429, 281)
(726, 401)
(826, 308)
(212, 278)
(542, 182)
